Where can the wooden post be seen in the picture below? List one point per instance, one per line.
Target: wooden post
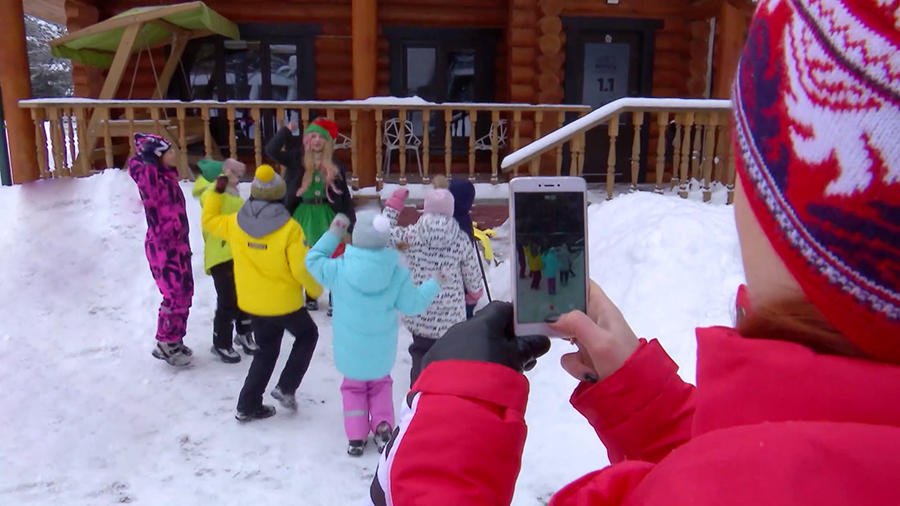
(731, 28)
(15, 80)
(364, 22)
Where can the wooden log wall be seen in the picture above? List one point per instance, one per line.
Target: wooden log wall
(698, 64)
(80, 14)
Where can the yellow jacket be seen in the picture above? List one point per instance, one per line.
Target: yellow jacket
(269, 251)
(215, 250)
(533, 259)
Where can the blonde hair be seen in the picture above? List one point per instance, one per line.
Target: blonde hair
(326, 166)
(440, 182)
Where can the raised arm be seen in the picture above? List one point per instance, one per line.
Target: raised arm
(276, 144)
(212, 219)
(318, 261)
(296, 254)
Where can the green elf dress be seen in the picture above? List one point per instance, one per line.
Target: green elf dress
(314, 214)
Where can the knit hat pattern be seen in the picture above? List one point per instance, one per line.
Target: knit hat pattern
(324, 127)
(817, 116)
(372, 230)
(439, 201)
(150, 144)
(267, 185)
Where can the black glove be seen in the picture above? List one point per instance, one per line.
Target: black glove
(489, 337)
(221, 184)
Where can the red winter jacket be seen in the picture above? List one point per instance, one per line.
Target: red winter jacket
(770, 423)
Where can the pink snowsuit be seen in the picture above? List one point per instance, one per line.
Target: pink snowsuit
(167, 245)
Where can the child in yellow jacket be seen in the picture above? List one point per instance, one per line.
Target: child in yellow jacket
(269, 251)
(219, 263)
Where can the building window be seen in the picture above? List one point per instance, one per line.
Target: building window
(444, 65)
(263, 65)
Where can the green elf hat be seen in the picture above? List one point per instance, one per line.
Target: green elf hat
(325, 127)
(211, 169)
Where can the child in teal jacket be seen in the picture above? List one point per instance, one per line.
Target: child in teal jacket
(368, 286)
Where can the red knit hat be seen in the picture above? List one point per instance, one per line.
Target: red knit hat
(323, 126)
(817, 121)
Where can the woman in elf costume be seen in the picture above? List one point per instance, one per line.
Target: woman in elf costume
(316, 183)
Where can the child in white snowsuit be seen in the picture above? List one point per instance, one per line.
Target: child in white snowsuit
(368, 287)
(435, 243)
(565, 263)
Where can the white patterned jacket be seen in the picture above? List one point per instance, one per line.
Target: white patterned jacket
(434, 244)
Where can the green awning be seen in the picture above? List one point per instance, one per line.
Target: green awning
(99, 42)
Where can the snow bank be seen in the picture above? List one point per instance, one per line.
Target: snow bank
(95, 420)
(418, 191)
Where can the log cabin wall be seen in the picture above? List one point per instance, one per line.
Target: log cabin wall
(672, 51)
(81, 14)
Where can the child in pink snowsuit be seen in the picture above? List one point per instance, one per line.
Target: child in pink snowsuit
(167, 245)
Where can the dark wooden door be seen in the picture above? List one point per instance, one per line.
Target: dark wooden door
(606, 62)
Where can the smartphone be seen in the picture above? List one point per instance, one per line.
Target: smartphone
(549, 237)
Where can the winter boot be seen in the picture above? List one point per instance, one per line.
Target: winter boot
(356, 447)
(173, 353)
(228, 355)
(260, 413)
(312, 305)
(247, 342)
(288, 401)
(383, 434)
(184, 349)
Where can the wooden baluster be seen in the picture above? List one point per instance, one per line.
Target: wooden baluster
(611, 159)
(232, 134)
(561, 117)
(354, 151)
(516, 141)
(70, 145)
(719, 160)
(685, 155)
(495, 147)
(154, 115)
(379, 161)
(676, 151)
(662, 121)
(729, 167)
(64, 167)
(107, 139)
(129, 115)
(304, 118)
(56, 144)
(257, 136)
(207, 136)
(581, 143)
(280, 118)
(330, 114)
(709, 153)
(39, 115)
(426, 146)
(535, 168)
(574, 146)
(181, 114)
(473, 120)
(448, 140)
(638, 119)
(695, 168)
(402, 115)
(83, 156)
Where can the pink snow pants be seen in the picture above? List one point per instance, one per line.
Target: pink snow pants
(367, 404)
(170, 265)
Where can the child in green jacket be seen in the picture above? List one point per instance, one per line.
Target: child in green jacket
(219, 264)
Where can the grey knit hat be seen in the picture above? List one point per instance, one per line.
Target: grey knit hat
(267, 185)
(372, 230)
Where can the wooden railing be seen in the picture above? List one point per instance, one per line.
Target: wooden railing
(243, 126)
(692, 140)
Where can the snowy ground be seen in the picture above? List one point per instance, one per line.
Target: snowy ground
(92, 419)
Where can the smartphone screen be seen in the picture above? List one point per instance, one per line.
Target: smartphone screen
(550, 277)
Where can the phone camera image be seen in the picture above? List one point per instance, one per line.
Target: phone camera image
(550, 254)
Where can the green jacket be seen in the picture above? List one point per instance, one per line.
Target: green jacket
(217, 250)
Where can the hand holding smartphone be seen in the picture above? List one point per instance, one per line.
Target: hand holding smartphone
(549, 237)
